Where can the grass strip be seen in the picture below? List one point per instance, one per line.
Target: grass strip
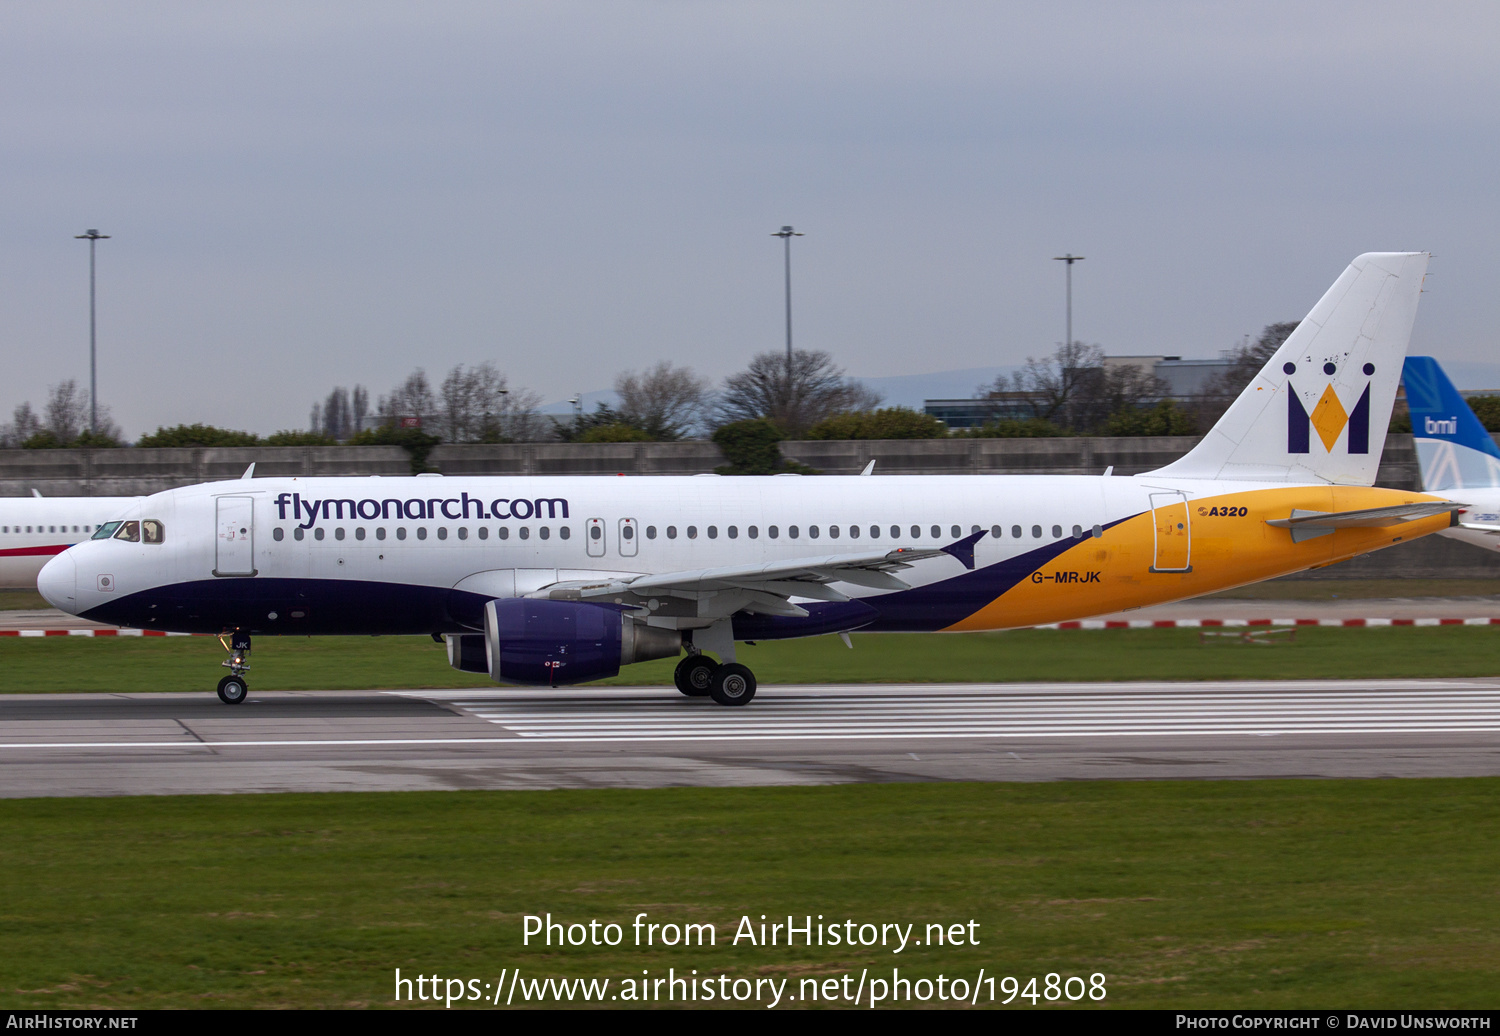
(53, 664)
(1211, 894)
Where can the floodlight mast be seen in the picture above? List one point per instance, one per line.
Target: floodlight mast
(93, 237)
(786, 234)
(1070, 259)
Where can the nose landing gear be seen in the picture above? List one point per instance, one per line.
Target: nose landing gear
(232, 689)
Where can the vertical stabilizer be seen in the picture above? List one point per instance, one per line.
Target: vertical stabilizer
(1453, 448)
(1318, 410)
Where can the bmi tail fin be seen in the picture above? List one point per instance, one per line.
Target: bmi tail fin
(1318, 410)
(1453, 448)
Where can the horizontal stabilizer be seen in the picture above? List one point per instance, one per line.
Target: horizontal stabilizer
(1306, 525)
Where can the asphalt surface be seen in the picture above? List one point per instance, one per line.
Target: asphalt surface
(104, 744)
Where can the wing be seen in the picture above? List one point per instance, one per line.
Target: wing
(764, 589)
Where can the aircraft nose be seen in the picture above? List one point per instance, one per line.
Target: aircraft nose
(58, 582)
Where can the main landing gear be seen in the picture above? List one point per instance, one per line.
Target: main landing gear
(728, 683)
(233, 689)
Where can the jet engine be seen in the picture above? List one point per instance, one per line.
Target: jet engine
(553, 643)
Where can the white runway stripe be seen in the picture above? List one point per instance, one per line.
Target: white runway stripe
(996, 713)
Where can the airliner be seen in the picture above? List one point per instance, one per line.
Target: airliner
(35, 528)
(1458, 458)
(552, 581)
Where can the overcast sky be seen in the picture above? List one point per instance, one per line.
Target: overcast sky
(309, 194)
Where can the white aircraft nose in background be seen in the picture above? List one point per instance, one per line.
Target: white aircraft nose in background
(58, 580)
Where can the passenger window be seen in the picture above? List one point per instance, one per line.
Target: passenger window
(692, 532)
(916, 532)
(421, 532)
(544, 532)
(996, 531)
(957, 532)
(650, 532)
(503, 532)
(874, 532)
(937, 533)
(278, 534)
(812, 531)
(442, 532)
(484, 532)
(359, 533)
(380, 533)
(595, 532)
(298, 533)
(463, 532)
(752, 532)
(627, 533)
(791, 531)
(318, 534)
(854, 532)
(130, 532)
(1015, 530)
(1036, 532)
(1078, 532)
(338, 533)
(734, 532)
(833, 532)
(564, 532)
(671, 532)
(1057, 532)
(400, 532)
(713, 532)
(524, 533)
(104, 531)
(973, 530)
(772, 531)
(1098, 531)
(895, 532)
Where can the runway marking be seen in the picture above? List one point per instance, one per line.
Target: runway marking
(1000, 713)
(943, 713)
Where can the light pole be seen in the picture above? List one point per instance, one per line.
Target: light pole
(1070, 259)
(786, 234)
(92, 237)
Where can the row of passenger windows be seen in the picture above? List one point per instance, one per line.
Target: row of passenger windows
(793, 532)
(45, 528)
(853, 531)
(483, 532)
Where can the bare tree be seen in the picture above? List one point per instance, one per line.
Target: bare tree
(412, 398)
(338, 420)
(795, 396)
(1248, 359)
(664, 401)
(1075, 389)
(67, 411)
(480, 406)
(361, 407)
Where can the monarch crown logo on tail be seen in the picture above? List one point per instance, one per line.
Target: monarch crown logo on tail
(1328, 417)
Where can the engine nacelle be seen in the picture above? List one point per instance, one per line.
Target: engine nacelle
(553, 643)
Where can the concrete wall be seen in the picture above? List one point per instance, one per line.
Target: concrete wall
(131, 471)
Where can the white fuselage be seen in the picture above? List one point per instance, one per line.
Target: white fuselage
(372, 555)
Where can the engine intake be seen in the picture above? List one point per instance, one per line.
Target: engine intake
(555, 643)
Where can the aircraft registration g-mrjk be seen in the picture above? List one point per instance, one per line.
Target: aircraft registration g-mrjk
(552, 581)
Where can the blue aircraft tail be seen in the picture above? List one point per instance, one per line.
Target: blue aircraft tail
(1453, 448)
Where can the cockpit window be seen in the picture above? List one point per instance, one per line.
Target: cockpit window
(106, 530)
(152, 531)
(130, 532)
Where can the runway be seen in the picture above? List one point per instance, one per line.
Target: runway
(103, 744)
